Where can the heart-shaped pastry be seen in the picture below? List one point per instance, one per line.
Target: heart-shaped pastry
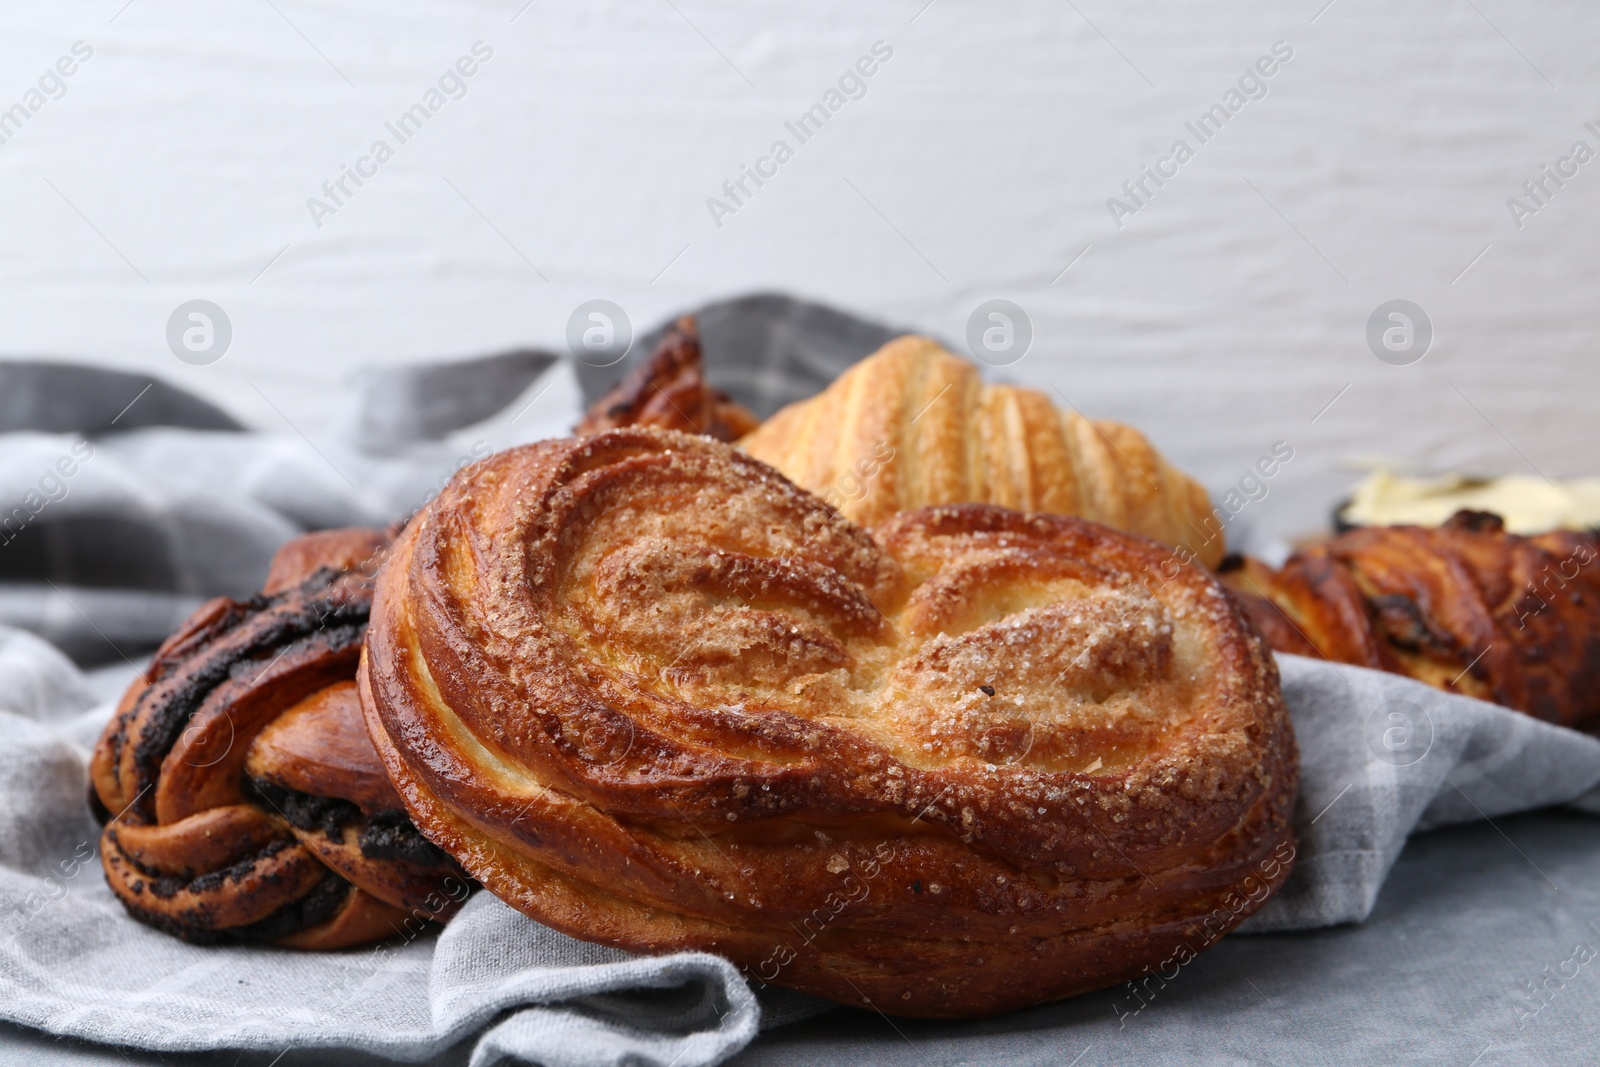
(655, 696)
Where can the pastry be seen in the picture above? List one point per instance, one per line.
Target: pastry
(968, 443)
(1465, 607)
(655, 696)
(913, 425)
(669, 391)
(241, 796)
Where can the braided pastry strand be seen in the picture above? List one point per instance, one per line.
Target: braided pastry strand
(669, 390)
(241, 796)
(655, 696)
(1465, 607)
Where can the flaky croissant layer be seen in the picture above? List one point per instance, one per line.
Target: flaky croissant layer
(655, 696)
(913, 426)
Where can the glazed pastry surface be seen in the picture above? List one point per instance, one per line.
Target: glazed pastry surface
(655, 696)
(1465, 607)
(669, 391)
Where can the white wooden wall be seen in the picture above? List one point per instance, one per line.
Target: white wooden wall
(1222, 316)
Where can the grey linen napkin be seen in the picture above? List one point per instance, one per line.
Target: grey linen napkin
(110, 537)
(1382, 757)
(125, 502)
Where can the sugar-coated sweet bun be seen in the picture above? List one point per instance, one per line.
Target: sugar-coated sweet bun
(657, 697)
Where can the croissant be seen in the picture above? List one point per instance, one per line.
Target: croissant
(240, 795)
(657, 697)
(1465, 607)
(913, 425)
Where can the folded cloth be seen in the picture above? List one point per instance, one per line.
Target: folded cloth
(57, 397)
(765, 350)
(1382, 757)
(429, 401)
(125, 501)
(108, 540)
(73, 963)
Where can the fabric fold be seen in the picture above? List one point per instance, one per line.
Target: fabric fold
(1383, 757)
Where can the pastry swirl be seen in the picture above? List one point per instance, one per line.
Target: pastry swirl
(241, 796)
(1465, 607)
(669, 390)
(655, 696)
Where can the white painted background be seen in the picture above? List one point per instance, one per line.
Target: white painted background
(1223, 317)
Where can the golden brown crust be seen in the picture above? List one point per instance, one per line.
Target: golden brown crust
(655, 696)
(1465, 607)
(353, 548)
(912, 426)
(669, 391)
(245, 799)
(320, 746)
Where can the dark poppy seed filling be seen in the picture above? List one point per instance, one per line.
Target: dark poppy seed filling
(391, 835)
(329, 815)
(317, 906)
(235, 781)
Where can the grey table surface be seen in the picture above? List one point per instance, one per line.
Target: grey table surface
(1440, 974)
